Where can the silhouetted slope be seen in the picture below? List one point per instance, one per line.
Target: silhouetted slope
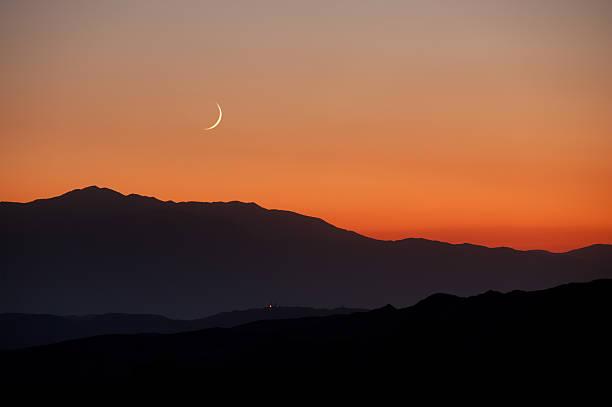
(24, 330)
(596, 252)
(564, 329)
(96, 251)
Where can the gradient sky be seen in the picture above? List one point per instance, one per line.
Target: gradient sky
(465, 121)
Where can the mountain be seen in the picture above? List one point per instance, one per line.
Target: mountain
(95, 251)
(563, 330)
(24, 330)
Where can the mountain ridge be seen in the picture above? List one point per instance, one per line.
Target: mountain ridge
(128, 253)
(94, 191)
(556, 330)
(19, 330)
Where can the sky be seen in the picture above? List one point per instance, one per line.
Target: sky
(487, 122)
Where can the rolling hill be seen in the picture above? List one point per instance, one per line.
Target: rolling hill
(24, 330)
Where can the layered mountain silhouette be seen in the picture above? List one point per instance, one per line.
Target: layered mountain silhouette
(94, 250)
(24, 330)
(564, 330)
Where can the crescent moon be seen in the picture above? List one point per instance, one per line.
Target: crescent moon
(218, 120)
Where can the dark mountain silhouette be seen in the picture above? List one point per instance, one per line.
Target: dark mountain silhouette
(95, 250)
(24, 330)
(565, 330)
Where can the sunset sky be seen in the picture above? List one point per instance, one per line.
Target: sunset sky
(481, 121)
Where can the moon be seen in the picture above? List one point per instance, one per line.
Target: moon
(218, 120)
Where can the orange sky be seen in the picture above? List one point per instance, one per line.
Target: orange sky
(483, 122)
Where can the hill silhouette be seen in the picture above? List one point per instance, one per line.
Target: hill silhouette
(564, 328)
(94, 250)
(24, 330)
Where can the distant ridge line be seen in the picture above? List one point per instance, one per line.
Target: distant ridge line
(96, 190)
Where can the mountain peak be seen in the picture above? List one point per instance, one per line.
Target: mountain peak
(438, 301)
(385, 309)
(92, 192)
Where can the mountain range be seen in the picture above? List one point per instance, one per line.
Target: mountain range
(96, 251)
(25, 330)
(562, 331)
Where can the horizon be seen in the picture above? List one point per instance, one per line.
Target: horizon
(309, 215)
